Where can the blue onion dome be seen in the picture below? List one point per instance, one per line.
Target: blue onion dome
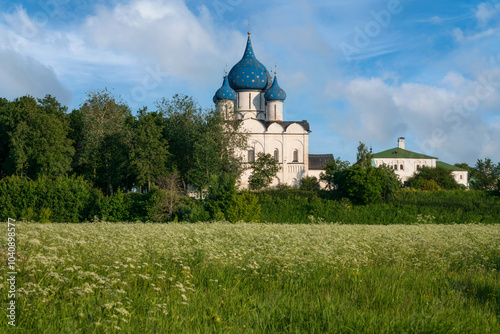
(249, 73)
(275, 93)
(225, 92)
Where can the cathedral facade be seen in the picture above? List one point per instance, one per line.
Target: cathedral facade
(249, 93)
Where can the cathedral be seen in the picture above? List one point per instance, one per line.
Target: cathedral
(249, 93)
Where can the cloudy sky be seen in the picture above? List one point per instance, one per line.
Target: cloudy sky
(358, 70)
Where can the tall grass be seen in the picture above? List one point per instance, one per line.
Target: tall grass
(259, 278)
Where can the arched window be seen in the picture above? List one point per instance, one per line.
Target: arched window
(295, 156)
(275, 112)
(251, 156)
(277, 155)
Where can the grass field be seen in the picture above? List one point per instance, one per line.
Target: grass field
(255, 278)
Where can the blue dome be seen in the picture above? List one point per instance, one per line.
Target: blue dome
(225, 92)
(249, 73)
(275, 93)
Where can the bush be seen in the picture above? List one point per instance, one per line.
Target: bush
(245, 207)
(309, 183)
(64, 199)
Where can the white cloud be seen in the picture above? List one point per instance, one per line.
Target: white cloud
(460, 37)
(485, 11)
(20, 75)
(165, 32)
(445, 122)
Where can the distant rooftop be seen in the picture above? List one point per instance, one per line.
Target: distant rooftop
(400, 153)
(319, 161)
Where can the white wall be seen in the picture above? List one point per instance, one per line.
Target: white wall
(295, 137)
(410, 166)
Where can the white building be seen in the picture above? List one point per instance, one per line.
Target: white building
(250, 94)
(407, 163)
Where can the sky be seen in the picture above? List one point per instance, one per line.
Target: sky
(358, 71)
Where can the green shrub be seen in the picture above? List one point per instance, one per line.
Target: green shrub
(69, 199)
(245, 208)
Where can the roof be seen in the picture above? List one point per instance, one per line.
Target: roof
(275, 93)
(319, 161)
(225, 93)
(450, 167)
(399, 153)
(304, 123)
(249, 73)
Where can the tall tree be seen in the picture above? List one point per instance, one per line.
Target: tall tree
(149, 153)
(183, 123)
(331, 169)
(487, 175)
(106, 140)
(4, 136)
(215, 150)
(364, 156)
(37, 136)
(265, 168)
(202, 143)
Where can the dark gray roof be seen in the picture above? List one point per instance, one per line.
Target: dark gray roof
(304, 123)
(319, 161)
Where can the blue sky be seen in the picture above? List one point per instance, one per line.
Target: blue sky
(357, 70)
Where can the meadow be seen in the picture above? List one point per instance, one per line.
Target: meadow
(255, 278)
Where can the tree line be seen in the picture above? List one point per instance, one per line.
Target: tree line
(106, 144)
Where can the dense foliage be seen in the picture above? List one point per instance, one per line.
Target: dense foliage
(434, 178)
(101, 161)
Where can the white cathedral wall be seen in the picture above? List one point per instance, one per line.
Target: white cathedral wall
(274, 111)
(294, 138)
(250, 100)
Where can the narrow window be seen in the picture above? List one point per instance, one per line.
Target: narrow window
(250, 100)
(461, 177)
(401, 167)
(251, 156)
(295, 156)
(277, 155)
(274, 112)
(418, 167)
(395, 167)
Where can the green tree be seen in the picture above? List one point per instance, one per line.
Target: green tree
(364, 156)
(486, 175)
(202, 143)
(265, 168)
(215, 151)
(149, 152)
(183, 121)
(106, 140)
(36, 137)
(4, 136)
(332, 168)
(360, 185)
(440, 175)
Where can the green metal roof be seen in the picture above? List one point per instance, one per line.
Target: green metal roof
(450, 167)
(399, 153)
